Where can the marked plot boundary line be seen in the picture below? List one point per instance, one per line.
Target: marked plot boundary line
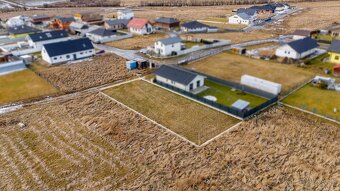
(153, 121)
(162, 126)
(309, 112)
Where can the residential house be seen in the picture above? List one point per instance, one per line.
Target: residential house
(241, 18)
(37, 40)
(196, 27)
(89, 17)
(17, 21)
(336, 70)
(334, 52)
(168, 46)
(116, 24)
(335, 32)
(298, 49)
(140, 26)
(40, 19)
(300, 34)
(179, 77)
(166, 23)
(78, 28)
(61, 52)
(125, 14)
(21, 31)
(63, 22)
(102, 35)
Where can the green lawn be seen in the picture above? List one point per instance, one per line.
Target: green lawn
(191, 44)
(23, 85)
(316, 100)
(318, 65)
(226, 96)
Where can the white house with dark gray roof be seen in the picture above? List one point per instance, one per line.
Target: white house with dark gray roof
(168, 46)
(61, 52)
(37, 40)
(179, 78)
(197, 27)
(241, 18)
(298, 49)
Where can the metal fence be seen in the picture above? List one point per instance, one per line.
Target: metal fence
(233, 111)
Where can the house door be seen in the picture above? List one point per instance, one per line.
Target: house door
(191, 87)
(198, 83)
(74, 57)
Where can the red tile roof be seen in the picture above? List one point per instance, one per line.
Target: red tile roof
(138, 23)
(336, 69)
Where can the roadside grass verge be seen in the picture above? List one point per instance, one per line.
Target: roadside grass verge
(23, 85)
(316, 100)
(191, 120)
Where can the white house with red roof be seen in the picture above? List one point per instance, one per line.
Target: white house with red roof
(140, 26)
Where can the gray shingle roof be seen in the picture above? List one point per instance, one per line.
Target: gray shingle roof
(171, 40)
(22, 29)
(40, 17)
(240, 104)
(67, 47)
(176, 74)
(303, 45)
(335, 46)
(48, 35)
(66, 19)
(166, 20)
(248, 11)
(117, 22)
(194, 24)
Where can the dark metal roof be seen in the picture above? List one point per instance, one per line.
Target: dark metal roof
(40, 17)
(166, 20)
(267, 7)
(194, 25)
(67, 47)
(171, 40)
(303, 45)
(117, 22)
(66, 19)
(176, 74)
(22, 29)
(335, 46)
(248, 11)
(103, 32)
(50, 35)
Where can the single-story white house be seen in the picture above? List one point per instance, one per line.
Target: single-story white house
(197, 27)
(168, 46)
(241, 18)
(65, 51)
(297, 49)
(125, 14)
(300, 34)
(140, 26)
(37, 40)
(179, 77)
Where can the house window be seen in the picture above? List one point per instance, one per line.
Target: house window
(67, 56)
(55, 58)
(198, 83)
(336, 57)
(81, 53)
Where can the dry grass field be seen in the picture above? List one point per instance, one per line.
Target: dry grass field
(92, 143)
(235, 37)
(23, 85)
(232, 67)
(194, 121)
(315, 16)
(137, 42)
(78, 76)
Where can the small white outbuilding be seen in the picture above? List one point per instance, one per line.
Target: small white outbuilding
(261, 84)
